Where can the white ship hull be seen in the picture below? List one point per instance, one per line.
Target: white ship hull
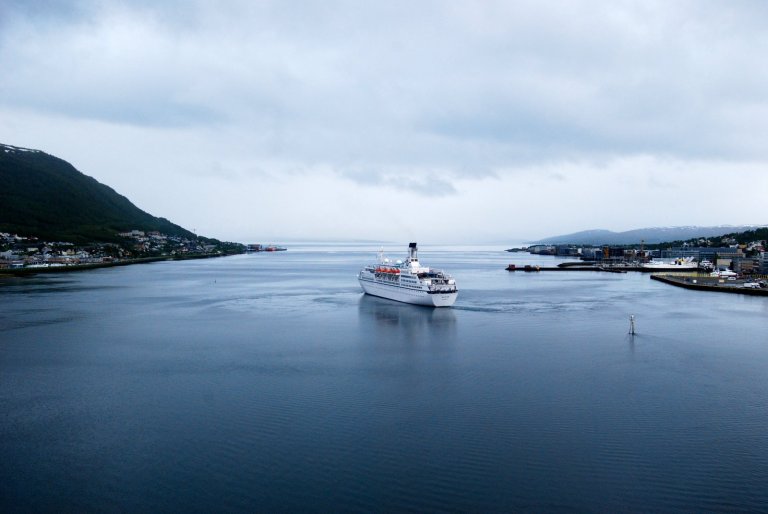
(676, 265)
(406, 295)
(671, 267)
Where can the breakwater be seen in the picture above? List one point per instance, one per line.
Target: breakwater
(607, 269)
(710, 284)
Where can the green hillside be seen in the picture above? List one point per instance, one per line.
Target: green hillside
(44, 196)
(741, 237)
(758, 234)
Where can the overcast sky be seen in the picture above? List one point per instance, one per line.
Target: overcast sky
(439, 122)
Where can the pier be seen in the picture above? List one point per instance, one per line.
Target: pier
(706, 283)
(688, 279)
(582, 267)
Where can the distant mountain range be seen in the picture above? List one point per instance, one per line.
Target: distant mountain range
(44, 196)
(649, 235)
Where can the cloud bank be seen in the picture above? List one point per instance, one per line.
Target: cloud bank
(460, 114)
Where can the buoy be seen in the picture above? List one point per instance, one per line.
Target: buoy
(632, 324)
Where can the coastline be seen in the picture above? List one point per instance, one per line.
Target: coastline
(23, 272)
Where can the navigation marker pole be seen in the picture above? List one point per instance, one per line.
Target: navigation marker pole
(632, 324)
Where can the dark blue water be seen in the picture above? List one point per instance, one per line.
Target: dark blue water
(268, 383)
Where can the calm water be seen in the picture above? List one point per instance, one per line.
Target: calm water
(268, 383)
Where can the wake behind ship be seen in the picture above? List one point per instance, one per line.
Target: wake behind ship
(408, 281)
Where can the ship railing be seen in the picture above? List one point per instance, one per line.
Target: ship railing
(442, 288)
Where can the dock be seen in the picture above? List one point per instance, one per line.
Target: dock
(513, 267)
(688, 279)
(605, 269)
(715, 284)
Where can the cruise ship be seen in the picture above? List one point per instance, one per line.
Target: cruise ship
(408, 281)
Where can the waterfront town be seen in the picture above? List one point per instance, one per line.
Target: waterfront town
(746, 261)
(23, 252)
(724, 265)
(724, 254)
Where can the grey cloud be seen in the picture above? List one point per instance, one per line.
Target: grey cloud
(424, 183)
(463, 87)
(44, 11)
(432, 186)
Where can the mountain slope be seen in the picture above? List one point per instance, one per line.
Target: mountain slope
(44, 196)
(649, 235)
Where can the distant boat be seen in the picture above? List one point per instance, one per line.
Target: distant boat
(723, 273)
(253, 247)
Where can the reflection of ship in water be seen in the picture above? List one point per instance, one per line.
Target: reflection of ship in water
(398, 321)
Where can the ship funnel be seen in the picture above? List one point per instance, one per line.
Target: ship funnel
(413, 252)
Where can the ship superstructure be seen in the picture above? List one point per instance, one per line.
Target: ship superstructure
(408, 281)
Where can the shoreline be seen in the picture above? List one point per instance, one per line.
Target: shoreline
(23, 272)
